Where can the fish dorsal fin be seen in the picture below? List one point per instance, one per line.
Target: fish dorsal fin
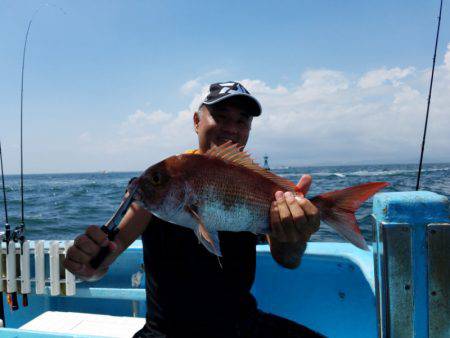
(232, 153)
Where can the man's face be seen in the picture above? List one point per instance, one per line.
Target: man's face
(221, 123)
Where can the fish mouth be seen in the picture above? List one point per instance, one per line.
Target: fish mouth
(138, 194)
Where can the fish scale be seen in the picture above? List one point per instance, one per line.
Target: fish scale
(233, 206)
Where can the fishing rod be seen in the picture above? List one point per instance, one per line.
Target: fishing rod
(429, 99)
(6, 237)
(18, 235)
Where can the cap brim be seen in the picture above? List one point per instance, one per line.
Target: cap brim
(251, 104)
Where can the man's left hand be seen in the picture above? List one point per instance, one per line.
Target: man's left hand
(293, 219)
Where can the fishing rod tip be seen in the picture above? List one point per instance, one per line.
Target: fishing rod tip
(47, 4)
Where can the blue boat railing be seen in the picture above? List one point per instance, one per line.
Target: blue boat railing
(398, 289)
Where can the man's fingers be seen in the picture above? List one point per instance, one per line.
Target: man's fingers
(287, 222)
(112, 246)
(72, 266)
(82, 271)
(87, 245)
(276, 228)
(294, 218)
(311, 213)
(298, 215)
(283, 209)
(76, 255)
(97, 235)
(304, 184)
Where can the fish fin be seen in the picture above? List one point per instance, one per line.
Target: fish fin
(337, 209)
(232, 153)
(210, 240)
(212, 244)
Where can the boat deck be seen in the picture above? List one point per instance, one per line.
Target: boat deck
(332, 292)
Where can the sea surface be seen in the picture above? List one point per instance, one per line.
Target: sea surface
(61, 206)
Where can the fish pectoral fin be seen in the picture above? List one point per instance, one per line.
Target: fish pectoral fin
(210, 240)
(211, 243)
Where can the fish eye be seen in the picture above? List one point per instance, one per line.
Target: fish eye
(155, 178)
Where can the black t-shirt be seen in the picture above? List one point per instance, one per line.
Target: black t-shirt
(186, 287)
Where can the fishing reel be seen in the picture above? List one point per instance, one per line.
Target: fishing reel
(18, 234)
(11, 284)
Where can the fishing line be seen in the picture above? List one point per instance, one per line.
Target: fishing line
(20, 229)
(429, 99)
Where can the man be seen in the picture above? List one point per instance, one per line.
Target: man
(188, 293)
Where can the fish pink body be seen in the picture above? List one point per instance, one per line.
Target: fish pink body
(224, 190)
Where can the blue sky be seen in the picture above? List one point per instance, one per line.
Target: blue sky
(112, 85)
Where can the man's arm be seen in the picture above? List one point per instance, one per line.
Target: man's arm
(293, 221)
(87, 245)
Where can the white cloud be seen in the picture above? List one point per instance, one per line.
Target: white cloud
(378, 77)
(328, 117)
(140, 117)
(193, 85)
(447, 58)
(189, 86)
(154, 135)
(85, 137)
(328, 81)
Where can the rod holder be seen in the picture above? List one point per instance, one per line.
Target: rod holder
(39, 267)
(411, 264)
(11, 277)
(25, 283)
(70, 277)
(16, 268)
(55, 287)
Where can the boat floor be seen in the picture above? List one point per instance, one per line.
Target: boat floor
(76, 323)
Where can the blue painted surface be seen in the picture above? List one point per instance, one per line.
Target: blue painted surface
(416, 209)
(329, 292)
(332, 291)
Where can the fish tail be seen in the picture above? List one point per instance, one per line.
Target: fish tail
(337, 209)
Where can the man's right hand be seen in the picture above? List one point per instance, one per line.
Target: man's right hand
(87, 246)
(84, 249)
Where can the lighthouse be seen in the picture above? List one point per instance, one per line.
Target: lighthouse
(266, 162)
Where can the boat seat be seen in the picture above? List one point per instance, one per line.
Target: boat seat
(85, 324)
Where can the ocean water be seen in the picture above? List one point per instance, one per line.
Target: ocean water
(61, 206)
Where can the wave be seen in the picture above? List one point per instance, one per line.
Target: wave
(326, 174)
(298, 175)
(394, 172)
(389, 172)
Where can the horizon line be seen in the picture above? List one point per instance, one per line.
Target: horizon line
(273, 168)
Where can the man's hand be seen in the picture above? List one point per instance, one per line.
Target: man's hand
(87, 246)
(84, 249)
(293, 219)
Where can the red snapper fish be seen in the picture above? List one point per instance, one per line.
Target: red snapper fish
(225, 190)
